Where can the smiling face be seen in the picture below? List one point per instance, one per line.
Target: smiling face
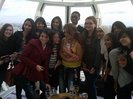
(8, 32)
(116, 29)
(67, 35)
(108, 41)
(40, 25)
(75, 18)
(125, 40)
(89, 25)
(100, 33)
(56, 38)
(44, 38)
(56, 23)
(27, 26)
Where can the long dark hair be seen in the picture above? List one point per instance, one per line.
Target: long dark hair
(41, 19)
(60, 23)
(129, 33)
(119, 25)
(32, 33)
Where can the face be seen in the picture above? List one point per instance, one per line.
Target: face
(43, 38)
(89, 25)
(8, 32)
(108, 41)
(116, 30)
(55, 24)
(67, 35)
(27, 26)
(100, 33)
(75, 18)
(40, 25)
(56, 38)
(125, 40)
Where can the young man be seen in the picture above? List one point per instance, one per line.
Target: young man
(75, 17)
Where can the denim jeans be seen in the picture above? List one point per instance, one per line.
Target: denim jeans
(125, 92)
(28, 86)
(66, 75)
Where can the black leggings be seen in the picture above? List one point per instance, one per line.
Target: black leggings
(125, 92)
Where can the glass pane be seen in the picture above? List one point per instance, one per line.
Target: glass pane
(70, 0)
(120, 11)
(101, 0)
(51, 11)
(77, 1)
(54, 0)
(84, 13)
(16, 11)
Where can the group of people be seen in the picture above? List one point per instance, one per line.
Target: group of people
(50, 57)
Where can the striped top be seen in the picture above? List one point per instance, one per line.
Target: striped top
(53, 57)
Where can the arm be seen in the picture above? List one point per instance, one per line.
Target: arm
(61, 52)
(25, 56)
(113, 56)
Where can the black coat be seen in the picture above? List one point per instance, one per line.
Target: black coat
(6, 48)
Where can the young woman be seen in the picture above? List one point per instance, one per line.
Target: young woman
(124, 70)
(92, 56)
(6, 50)
(33, 65)
(109, 90)
(71, 53)
(117, 28)
(55, 60)
(100, 35)
(21, 38)
(40, 24)
(56, 25)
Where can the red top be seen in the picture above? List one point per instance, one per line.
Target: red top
(33, 55)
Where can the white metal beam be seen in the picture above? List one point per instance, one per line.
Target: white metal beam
(131, 1)
(77, 3)
(1, 3)
(39, 10)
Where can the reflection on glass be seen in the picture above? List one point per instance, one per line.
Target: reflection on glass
(49, 15)
(16, 11)
(111, 12)
(84, 13)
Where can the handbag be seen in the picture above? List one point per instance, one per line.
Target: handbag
(8, 76)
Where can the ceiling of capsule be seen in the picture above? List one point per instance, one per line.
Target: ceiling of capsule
(109, 10)
(76, 1)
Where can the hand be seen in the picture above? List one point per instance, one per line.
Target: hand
(92, 70)
(85, 69)
(75, 57)
(39, 68)
(57, 64)
(48, 86)
(6, 60)
(14, 56)
(1, 62)
(131, 54)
